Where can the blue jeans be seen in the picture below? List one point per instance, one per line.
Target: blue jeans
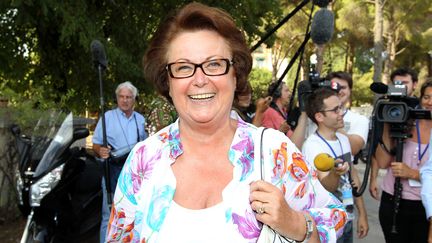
(105, 213)
(347, 236)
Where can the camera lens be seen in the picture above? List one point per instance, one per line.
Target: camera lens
(394, 112)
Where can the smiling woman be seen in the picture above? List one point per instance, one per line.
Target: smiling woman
(197, 180)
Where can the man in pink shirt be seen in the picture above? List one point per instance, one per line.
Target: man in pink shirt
(276, 115)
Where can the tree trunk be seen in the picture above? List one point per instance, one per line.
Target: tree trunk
(8, 165)
(378, 40)
(392, 42)
(429, 64)
(350, 58)
(319, 51)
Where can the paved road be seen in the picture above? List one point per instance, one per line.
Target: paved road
(375, 234)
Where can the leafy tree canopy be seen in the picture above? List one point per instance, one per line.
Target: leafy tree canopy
(45, 44)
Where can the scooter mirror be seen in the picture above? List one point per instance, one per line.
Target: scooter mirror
(80, 133)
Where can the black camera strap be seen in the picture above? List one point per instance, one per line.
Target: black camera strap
(276, 108)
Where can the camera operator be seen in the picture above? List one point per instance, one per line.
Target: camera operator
(411, 223)
(409, 78)
(276, 115)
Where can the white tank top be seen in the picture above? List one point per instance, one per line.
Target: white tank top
(183, 225)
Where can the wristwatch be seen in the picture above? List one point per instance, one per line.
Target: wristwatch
(309, 228)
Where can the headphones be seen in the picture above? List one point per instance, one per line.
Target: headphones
(275, 90)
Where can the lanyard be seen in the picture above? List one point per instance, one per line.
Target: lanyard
(325, 141)
(346, 110)
(421, 154)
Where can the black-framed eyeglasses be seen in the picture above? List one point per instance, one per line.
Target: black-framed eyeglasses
(336, 110)
(215, 67)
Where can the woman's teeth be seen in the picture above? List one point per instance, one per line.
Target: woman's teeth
(201, 96)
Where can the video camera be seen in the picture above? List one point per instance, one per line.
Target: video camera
(314, 82)
(395, 107)
(317, 82)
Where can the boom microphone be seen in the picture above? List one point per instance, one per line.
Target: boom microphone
(321, 3)
(98, 54)
(322, 26)
(324, 162)
(379, 88)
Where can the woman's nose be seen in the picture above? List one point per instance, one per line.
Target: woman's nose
(200, 78)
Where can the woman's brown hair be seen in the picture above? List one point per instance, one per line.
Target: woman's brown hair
(195, 16)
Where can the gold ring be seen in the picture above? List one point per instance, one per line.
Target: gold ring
(261, 210)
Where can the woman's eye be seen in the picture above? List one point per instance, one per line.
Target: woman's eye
(213, 64)
(184, 68)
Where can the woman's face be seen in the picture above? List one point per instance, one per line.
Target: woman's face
(426, 100)
(201, 99)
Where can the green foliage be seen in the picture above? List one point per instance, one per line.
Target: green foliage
(259, 79)
(45, 45)
(361, 94)
(23, 111)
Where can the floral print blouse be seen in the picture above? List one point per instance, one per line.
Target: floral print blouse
(146, 187)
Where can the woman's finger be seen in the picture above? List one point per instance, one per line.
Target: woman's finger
(261, 185)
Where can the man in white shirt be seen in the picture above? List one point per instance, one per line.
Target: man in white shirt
(356, 126)
(325, 109)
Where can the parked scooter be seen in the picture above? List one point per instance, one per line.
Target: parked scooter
(58, 183)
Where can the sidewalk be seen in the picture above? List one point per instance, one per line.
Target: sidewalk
(375, 234)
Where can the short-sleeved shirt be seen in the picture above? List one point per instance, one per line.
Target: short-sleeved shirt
(340, 148)
(410, 156)
(426, 180)
(273, 119)
(121, 131)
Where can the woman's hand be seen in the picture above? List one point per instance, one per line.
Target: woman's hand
(373, 189)
(273, 210)
(402, 170)
(262, 104)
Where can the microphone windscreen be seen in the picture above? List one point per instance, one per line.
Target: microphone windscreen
(321, 3)
(98, 54)
(322, 26)
(379, 88)
(324, 162)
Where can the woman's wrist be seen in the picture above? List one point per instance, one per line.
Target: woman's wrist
(304, 229)
(415, 174)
